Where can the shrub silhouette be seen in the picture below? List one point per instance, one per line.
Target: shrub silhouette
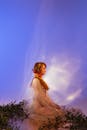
(12, 115)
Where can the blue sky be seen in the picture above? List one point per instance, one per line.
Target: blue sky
(53, 31)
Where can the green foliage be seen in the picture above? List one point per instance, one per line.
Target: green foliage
(12, 115)
(76, 119)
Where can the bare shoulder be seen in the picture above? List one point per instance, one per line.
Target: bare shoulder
(35, 81)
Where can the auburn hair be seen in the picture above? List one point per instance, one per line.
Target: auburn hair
(38, 66)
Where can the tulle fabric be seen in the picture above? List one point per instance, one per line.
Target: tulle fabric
(42, 108)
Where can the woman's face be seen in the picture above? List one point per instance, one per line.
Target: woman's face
(43, 69)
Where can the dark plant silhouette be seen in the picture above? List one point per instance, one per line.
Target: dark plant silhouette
(12, 115)
(75, 119)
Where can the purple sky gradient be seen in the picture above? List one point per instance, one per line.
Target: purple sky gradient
(42, 30)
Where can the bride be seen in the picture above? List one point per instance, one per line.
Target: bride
(43, 112)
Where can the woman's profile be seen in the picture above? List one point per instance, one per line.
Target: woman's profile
(43, 112)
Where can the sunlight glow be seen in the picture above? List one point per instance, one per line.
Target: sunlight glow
(60, 76)
(74, 95)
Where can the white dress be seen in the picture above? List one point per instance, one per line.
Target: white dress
(43, 110)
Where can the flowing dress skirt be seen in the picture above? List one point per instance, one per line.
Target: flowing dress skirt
(44, 114)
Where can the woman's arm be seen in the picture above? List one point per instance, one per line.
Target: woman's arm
(39, 94)
(41, 97)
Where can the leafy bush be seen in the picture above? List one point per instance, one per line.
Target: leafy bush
(12, 115)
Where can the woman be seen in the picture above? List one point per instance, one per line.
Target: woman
(44, 114)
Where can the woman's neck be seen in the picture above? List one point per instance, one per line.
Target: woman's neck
(37, 75)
